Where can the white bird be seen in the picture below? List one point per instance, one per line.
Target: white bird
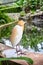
(16, 35)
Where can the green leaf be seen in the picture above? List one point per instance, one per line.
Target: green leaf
(28, 60)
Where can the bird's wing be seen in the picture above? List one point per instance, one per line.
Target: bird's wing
(13, 35)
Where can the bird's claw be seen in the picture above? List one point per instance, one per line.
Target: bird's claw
(21, 53)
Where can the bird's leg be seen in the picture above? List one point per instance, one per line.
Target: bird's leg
(22, 53)
(16, 50)
(19, 50)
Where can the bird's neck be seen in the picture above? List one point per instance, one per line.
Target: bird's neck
(22, 27)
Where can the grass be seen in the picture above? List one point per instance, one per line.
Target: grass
(28, 60)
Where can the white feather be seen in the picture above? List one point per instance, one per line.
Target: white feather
(19, 35)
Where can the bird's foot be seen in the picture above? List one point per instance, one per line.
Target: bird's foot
(21, 53)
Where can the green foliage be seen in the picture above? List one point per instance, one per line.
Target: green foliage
(22, 13)
(41, 8)
(0, 63)
(32, 38)
(22, 4)
(15, 7)
(9, 9)
(32, 4)
(28, 60)
(4, 19)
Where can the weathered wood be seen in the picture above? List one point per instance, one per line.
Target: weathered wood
(37, 58)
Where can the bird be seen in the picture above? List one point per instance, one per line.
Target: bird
(16, 36)
(17, 33)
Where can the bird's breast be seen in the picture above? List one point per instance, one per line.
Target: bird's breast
(18, 36)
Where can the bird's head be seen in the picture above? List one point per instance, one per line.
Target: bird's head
(21, 23)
